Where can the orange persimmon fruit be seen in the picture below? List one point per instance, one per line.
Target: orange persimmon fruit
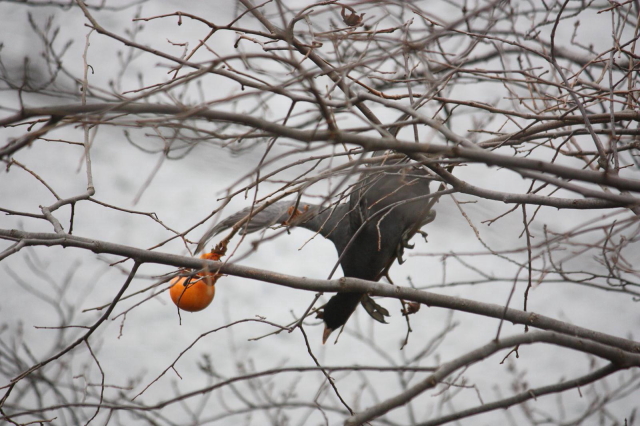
(196, 296)
(195, 293)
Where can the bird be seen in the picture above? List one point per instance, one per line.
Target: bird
(385, 209)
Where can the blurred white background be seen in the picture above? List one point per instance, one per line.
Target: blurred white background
(41, 284)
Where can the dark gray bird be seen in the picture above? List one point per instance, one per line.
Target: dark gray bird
(370, 231)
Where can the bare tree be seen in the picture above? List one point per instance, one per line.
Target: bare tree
(131, 129)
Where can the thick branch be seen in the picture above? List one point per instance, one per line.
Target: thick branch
(620, 359)
(367, 142)
(526, 395)
(342, 284)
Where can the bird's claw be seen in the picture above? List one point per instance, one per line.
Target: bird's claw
(404, 244)
(424, 235)
(400, 253)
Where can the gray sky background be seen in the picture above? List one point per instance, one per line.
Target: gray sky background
(185, 191)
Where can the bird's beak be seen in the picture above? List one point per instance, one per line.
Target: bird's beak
(325, 334)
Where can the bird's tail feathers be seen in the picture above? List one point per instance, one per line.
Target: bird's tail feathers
(280, 212)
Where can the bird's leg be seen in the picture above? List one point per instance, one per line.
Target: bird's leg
(399, 253)
(407, 235)
(424, 235)
(430, 217)
(404, 243)
(386, 275)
